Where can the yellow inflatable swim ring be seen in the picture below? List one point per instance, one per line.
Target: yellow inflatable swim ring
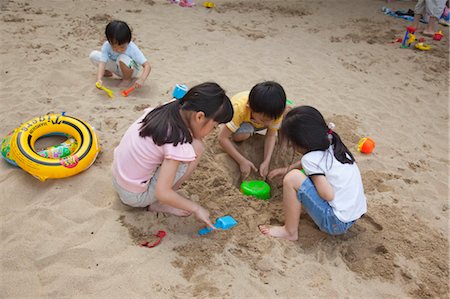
(24, 153)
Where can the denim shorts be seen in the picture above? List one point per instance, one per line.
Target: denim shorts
(320, 210)
(141, 200)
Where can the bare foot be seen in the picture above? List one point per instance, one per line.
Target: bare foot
(125, 83)
(277, 232)
(107, 74)
(157, 207)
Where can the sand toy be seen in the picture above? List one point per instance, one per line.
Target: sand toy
(224, 223)
(438, 35)
(179, 91)
(366, 145)
(208, 4)
(423, 47)
(109, 92)
(258, 189)
(409, 37)
(126, 92)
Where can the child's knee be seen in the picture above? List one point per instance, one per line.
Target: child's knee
(294, 179)
(95, 56)
(241, 137)
(245, 130)
(124, 60)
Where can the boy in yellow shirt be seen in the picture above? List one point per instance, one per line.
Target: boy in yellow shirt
(261, 108)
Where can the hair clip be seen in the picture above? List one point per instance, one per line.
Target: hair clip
(331, 126)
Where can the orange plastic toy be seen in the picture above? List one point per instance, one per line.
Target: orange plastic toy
(366, 145)
(126, 92)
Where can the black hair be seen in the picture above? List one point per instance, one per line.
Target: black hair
(268, 98)
(305, 127)
(165, 124)
(118, 32)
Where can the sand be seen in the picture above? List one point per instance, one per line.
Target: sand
(73, 237)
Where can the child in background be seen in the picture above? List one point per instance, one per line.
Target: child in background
(121, 56)
(432, 8)
(331, 191)
(162, 148)
(256, 110)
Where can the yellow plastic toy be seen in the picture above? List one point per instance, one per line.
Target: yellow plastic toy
(423, 47)
(24, 153)
(208, 4)
(411, 38)
(109, 92)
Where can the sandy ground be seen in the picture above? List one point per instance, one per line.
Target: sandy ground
(73, 237)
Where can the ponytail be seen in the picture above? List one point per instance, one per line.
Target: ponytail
(341, 152)
(165, 124)
(306, 128)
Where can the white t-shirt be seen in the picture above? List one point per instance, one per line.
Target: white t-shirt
(131, 51)
(349, 201)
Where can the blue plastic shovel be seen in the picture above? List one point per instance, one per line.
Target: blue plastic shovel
(224, 222)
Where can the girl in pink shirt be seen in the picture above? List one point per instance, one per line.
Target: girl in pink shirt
(161, 149)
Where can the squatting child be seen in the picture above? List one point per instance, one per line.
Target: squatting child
(261, 108)
(120, 56)
(331, 192)
(161, 149)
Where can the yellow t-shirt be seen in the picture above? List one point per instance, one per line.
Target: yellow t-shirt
(242, 113)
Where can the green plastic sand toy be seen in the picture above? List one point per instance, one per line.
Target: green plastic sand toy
(258, 189)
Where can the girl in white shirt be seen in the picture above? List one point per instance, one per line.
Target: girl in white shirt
(330, 188)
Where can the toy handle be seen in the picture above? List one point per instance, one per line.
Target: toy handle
(126, 92)
(204, 231)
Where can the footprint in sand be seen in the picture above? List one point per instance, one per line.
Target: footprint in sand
(375, 181)
(375, 224)
(112, 124)
(140, 107)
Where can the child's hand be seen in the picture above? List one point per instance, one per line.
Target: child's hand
(276, 172)
(202, 214)
(264, 169)
(139, 82)
(246, 167)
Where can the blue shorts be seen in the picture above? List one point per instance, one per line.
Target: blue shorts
(320, 210)
(248, 128)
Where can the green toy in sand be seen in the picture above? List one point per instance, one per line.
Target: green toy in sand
(258, 189)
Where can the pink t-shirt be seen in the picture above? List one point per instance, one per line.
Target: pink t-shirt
(136, 158)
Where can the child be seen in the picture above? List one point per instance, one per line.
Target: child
(256, 110)
(162, 148)
(332, 191)
(432, 8)
(119, 55)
